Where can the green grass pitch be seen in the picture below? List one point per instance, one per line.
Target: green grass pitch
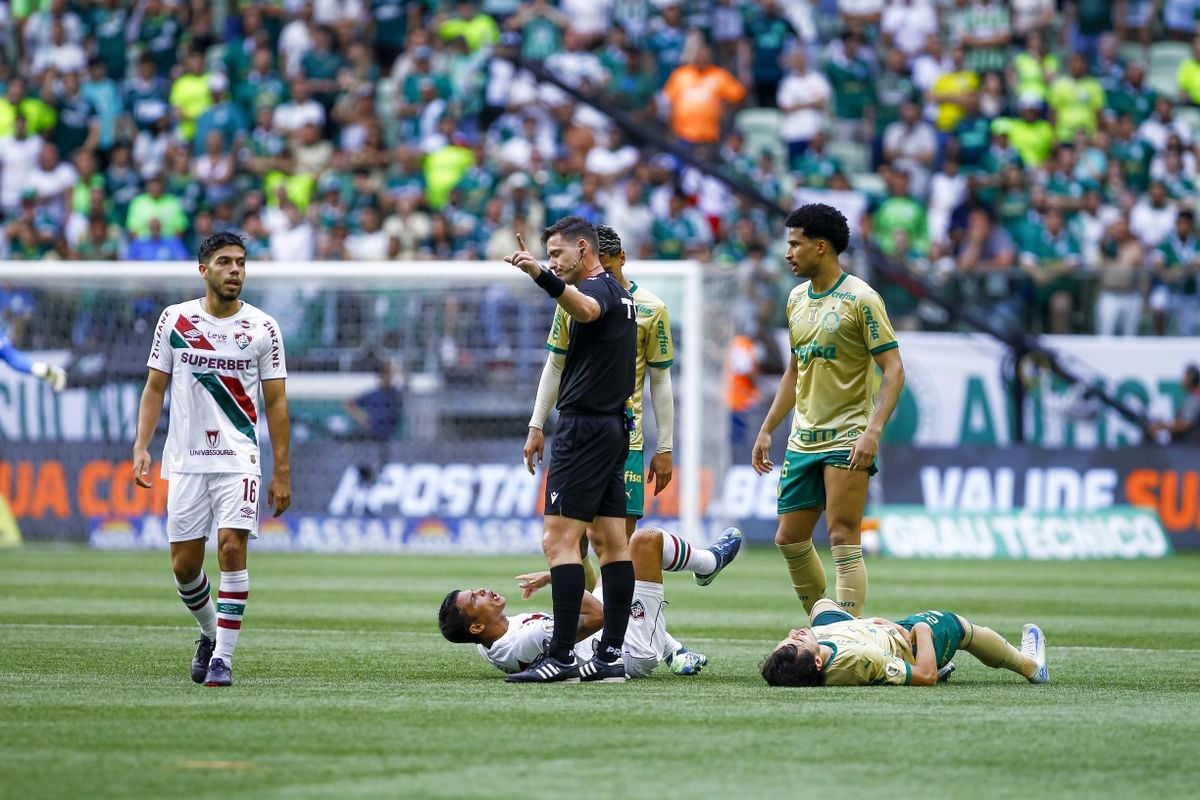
(344, 689)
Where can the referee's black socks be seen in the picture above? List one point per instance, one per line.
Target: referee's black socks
(566, 587)
(617, 579)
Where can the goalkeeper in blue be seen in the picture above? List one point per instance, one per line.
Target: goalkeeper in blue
(840, 650)
(55, 376)
(518, 643)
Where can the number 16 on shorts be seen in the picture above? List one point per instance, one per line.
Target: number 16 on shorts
(195, 501)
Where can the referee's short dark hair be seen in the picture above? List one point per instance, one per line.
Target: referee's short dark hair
(819, 221)
(573, 229)
(610, 242)
(218, 240)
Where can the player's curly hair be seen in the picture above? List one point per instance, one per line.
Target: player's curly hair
(791, 666)
(218, 240)
(819, 221)
(572, 229)
(610, 242)
(453, 622)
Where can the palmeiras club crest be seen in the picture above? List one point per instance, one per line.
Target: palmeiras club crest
(242, 339)
(214, 438)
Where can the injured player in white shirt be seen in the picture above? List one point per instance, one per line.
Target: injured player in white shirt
(511, 643)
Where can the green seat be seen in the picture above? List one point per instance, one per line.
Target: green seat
(853, 157)
(760, 127)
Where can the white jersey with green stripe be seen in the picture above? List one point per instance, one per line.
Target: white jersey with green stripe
(216, 366)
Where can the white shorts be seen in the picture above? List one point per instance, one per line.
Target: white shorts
(646, 636)
(198, 502)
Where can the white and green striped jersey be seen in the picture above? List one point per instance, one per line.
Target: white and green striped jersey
(216, 365)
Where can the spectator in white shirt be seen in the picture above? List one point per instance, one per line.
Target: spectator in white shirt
(296, 39)
(370, 243)
(803, 97)
(291, 236)
(910, 143)
(1159, 126)
(61, 54)
(18, 154)
(908, 24)
(299, 111)
(53, 180)
(1153, 216)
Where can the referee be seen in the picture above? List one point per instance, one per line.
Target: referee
(585, 487)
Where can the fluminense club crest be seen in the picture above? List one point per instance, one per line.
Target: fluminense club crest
(242, 339)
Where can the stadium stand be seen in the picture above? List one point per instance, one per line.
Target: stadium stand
(345, 130)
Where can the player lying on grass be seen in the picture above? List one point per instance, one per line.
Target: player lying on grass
(513, 644)
(839, 650)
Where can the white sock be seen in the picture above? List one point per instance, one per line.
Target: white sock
(231, 606)
(195, 595)
(678, 555)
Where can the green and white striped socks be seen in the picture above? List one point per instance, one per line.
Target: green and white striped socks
(231, 606)
(195, 595)
(678, 555)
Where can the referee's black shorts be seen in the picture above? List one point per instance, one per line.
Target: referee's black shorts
(587, 467)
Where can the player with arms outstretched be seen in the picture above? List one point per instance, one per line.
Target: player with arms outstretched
(511, 644)
(19, 304)
(839, 330)
(840, 650)
(214, 353)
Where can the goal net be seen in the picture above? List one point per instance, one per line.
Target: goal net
(410, 388)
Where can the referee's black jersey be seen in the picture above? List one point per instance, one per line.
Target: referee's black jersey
(598, 375)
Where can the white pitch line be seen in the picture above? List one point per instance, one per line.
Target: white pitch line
(419, 635)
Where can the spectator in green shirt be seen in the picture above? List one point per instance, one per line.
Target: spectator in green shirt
(1176, 266)
(900, 213)
(1050, 259)
(849, 72)
(190, 94)
(1076, 100)
(154, 203)
(39, 117)
(478, 29)
(1132, 96)
(1189, 75)
(1033, 69)
(1030, 135)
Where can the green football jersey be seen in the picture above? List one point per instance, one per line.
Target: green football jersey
(834, 337)
(865, 654)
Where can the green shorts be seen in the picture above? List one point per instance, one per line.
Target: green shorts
(947, 632)
(635, 484)
(802, 480)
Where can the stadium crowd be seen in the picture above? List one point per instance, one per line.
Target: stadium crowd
(1034, 160)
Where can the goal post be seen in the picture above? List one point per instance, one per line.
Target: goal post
(467, 338)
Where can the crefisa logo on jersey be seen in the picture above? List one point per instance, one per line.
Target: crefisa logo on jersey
(637, 610)
(242, 340)
(214, 438)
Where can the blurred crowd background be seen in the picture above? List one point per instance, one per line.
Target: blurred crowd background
(1034, 159)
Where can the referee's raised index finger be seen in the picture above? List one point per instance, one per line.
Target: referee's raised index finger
(520, 242)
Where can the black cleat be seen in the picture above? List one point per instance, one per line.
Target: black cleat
(204, 651)
(547, 669)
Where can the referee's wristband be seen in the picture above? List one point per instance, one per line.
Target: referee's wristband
(551, 283)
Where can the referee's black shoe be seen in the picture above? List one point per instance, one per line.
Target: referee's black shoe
(600, 671)
(547, 669)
